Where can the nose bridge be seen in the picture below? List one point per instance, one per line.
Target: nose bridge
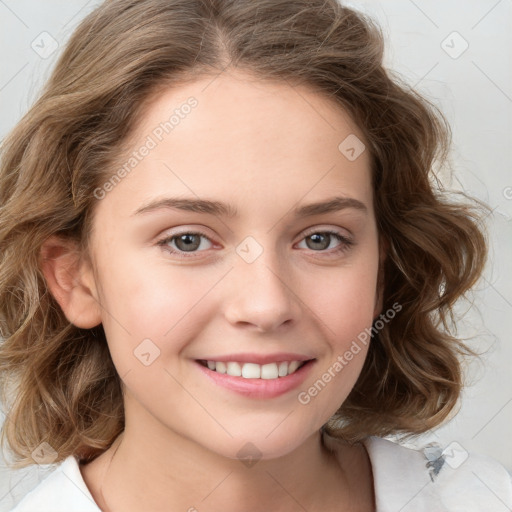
(261, 293)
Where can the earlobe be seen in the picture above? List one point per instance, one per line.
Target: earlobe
(69, 280)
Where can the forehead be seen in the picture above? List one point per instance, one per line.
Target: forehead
(235, 105)
(244, 140)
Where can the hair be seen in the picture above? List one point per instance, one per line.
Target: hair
(58, 381)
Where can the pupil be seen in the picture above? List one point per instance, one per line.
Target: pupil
(316, 238)
(188, 243)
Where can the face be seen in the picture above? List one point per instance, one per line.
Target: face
(256, 281)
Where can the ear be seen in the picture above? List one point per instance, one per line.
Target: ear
(71, 281)
(379, 294)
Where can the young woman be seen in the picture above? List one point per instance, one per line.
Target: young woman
(226, 272)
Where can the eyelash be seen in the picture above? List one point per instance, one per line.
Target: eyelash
(345, 243)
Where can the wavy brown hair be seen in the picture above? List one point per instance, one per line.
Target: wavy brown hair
(58, 382)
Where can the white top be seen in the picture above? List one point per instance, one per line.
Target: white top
(405, 480)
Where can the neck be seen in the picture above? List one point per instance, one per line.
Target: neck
(183, 473)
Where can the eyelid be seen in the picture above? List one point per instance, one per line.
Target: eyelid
(170, 236)
(327, 229)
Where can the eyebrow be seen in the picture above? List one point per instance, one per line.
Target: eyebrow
(218, 208)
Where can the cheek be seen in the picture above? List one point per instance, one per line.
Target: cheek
(346, 309)
(347, 316)
(346, 300)
(156, 301)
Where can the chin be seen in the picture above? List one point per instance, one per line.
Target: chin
(255, 446)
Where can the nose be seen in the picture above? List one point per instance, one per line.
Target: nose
(261, 295)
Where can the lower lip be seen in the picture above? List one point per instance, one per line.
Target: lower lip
(259, 388)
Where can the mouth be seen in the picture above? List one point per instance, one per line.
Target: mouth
(270, 371)
(256, 381)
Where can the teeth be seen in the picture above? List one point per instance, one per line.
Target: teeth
(255, 371)
(250, 371)
(283, 369)
(220, 367)
(234, 369)
(269, 371)
(293, 366)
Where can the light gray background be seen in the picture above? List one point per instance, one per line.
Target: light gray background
(472, 87)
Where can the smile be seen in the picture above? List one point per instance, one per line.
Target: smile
(257, 381)
(253, 370)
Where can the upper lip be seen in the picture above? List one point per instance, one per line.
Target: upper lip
(259, 358)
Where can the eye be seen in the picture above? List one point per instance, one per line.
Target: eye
(187, 241)
(321, 240)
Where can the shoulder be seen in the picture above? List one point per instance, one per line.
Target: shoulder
(63, 490)
(431, 478)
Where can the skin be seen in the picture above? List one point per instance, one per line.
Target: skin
(264, 148)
